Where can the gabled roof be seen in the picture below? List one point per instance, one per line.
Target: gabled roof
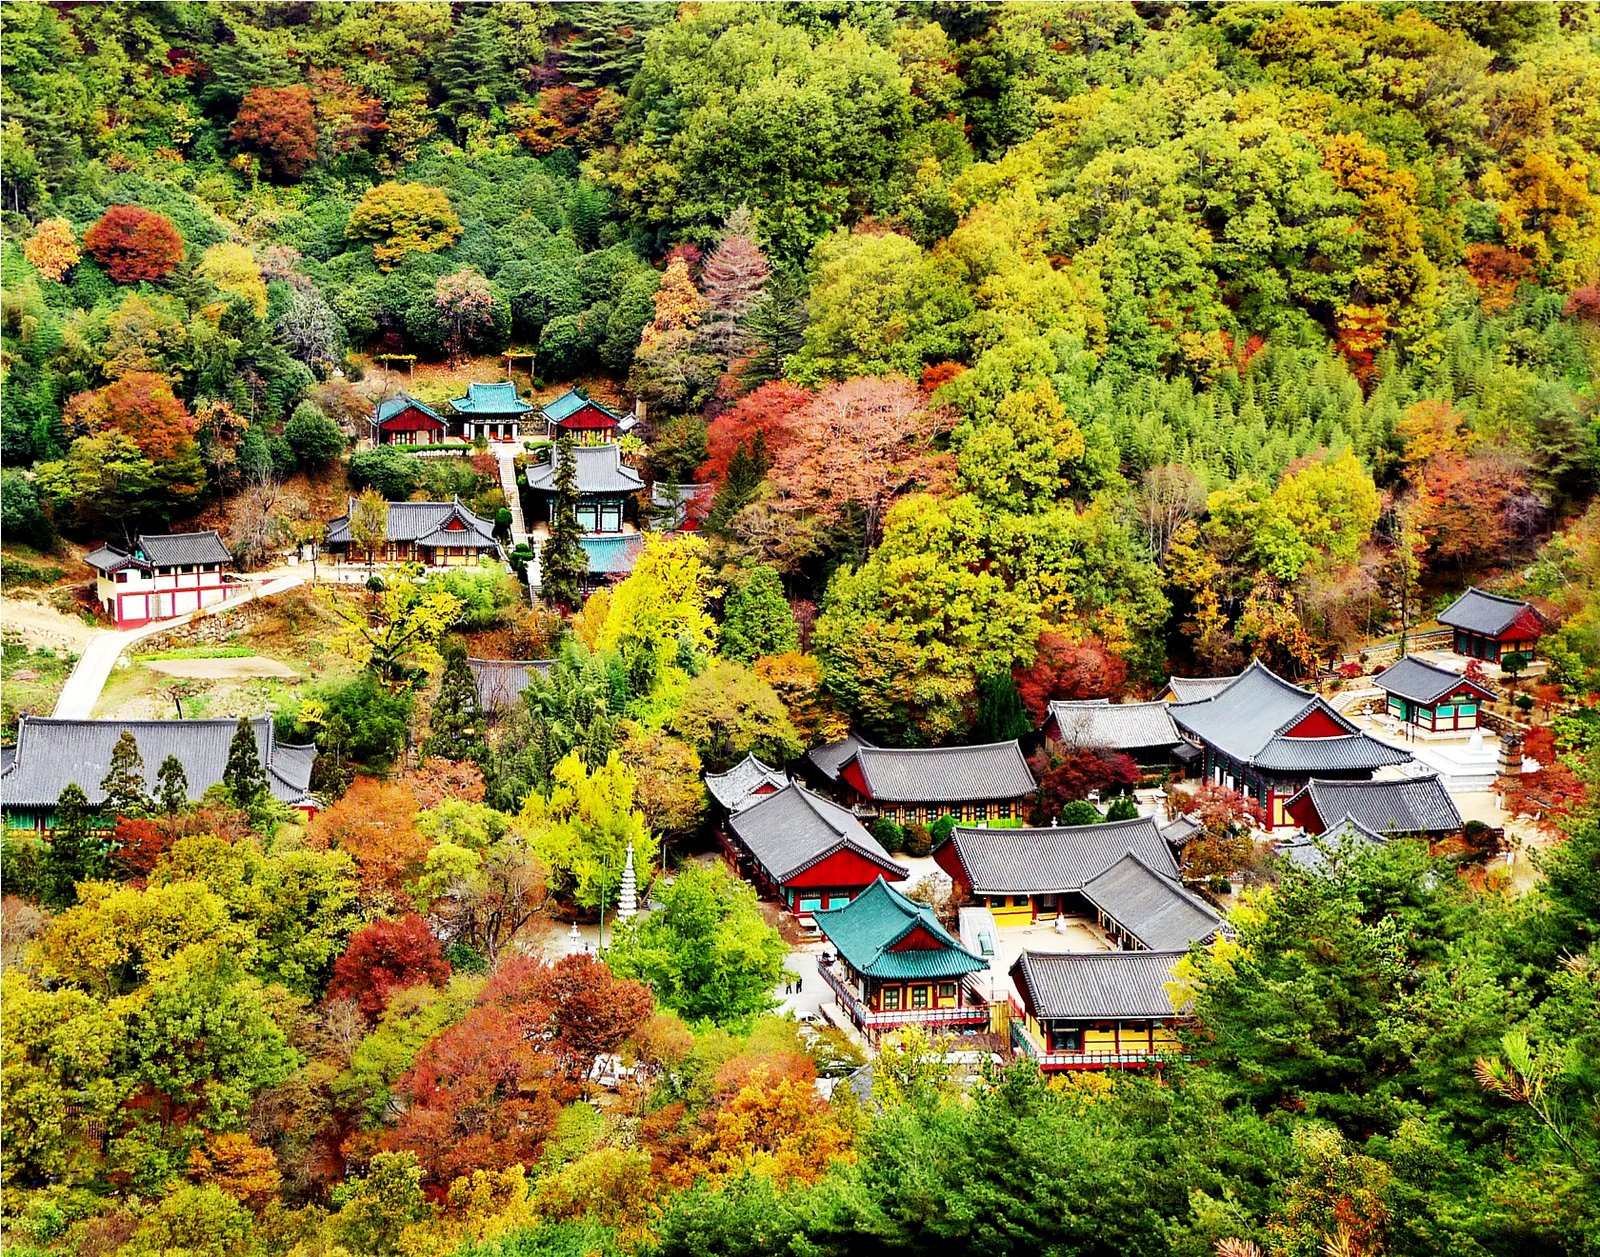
(109, 558)
(1181, 830)
(492, 399)
(1412, 805)
(1156, 910)
(52, 754)
(500, 682)
(866, 929)
(1103, 725)
(1193, 689)
(736, 788)
(600, 470)
(571, 402)
(1248, 721)
(1424, 682)
(180, 549)
(792, 830)
(1488, 614)
(1051, 861)
(423, 523)
(612, 554)
(1312, 853)
(1097, 985)
(831, 756)
(389, 407)
(944, 774)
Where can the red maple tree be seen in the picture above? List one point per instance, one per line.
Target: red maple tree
(1064, 670)
(1078, 772)
(386, 957)
(134, 244)
(279, 123)
(768, 414)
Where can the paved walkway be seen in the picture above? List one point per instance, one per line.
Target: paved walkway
(88, 679)
(506, 456)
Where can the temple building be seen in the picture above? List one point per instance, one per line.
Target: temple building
(745, 783)
(826, 760)
(1266, 738)
(491, 411)
(1490, 627)
(51, 755)
(1416, 807)
(500, 683)
(1095, 1010)
(435, 534)
(606, 488)
(1123, 874)
(1142, 731)
(808, 853)
(894, 965)
(162, 575)
(585, 420)
(1319, 853)
(1431, 698)
(402, 420)
(1193, 689)
(970, 783)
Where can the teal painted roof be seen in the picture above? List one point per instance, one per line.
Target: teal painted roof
(865, 929)
(612, 554)
(570, 403)
(492, 399)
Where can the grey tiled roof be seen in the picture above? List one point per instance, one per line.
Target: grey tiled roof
(736, 788)
(600, 470)
(1421, 681)
(420, 522)
(1157, 911)
(1097, 986)
(1114, 726)
(53, 754)
(1349, 752)
(1247, 721)
(1193, 689)
(1485, 613)
(1181, 830)
(500, 682)
(108, 558)
(1050, 861)
(946, 774)
(179, 549)
(792, 830)
(1412, 805)
(831, 756)
(1313, 853)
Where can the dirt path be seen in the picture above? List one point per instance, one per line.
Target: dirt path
(224, 669)
(39, 625)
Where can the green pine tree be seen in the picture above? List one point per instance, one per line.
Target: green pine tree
(471, 74)
(1001, 715)
(746, 470)
(244, 777)
(124, 780)
(457, 723)
(172, 786)
(562, 562)
(756, 618)
(76, 852)
(775, 328)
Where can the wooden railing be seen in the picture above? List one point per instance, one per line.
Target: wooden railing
(1080, 1060)
(961, 1015)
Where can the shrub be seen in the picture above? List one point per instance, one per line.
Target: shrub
(940, 829)
(889, 835)
(919, 841)
(391, 472)
(1080, 812)
(315, 439)
(1123, 809)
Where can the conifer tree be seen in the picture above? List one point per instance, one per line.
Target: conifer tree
(562, 562)
(244, 777)
(75, 853)
(1001, 715)
(733, 278)
(746, 469)
(756, 618)
(457, 721)
(775, 328)
(124, 780)
(172, 786)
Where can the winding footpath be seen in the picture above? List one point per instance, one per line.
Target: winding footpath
(100, 655)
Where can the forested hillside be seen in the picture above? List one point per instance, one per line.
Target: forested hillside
(1005, 353)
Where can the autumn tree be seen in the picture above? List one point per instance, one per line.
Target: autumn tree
(235, 271)
(668, 787)
(660, 608)
(797, 681)
(592, 1011)
(386, 957)
(1073, 773)
(369, 524)
(375, 824)
(238, 1166)
(728, 712)
(582, 830)
(142, 406)
(1066, 670)
(402, 218)
(763, 420)
(279, 123)
(733, 278)
(52, 250)
(134, 244)
(466, 307)
(399, 631)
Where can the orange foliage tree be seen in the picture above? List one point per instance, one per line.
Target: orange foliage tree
(1065, 670)
(278, 123)
(238, 1166)
(762, 421)
(142, 406)
(134, 244)
(375, 823)
(386, 957)
(782, 1131)
(52, 249)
